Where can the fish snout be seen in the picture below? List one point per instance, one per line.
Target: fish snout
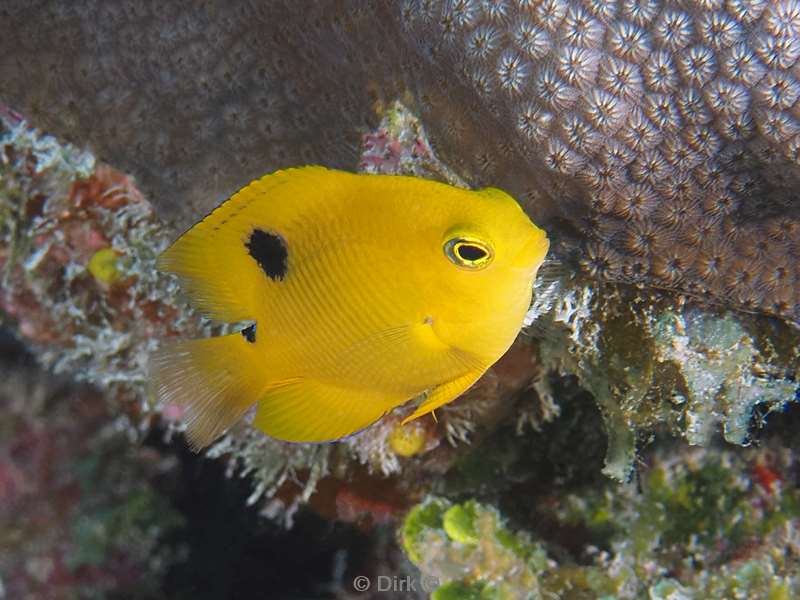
(533, 251)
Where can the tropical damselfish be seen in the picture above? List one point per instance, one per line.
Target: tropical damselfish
(364, 292)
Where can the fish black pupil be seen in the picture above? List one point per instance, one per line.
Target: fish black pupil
(269, 251)
(249, 333)
(470, 253)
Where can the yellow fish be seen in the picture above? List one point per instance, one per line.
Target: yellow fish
(365, 291)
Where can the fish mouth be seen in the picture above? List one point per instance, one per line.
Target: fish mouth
(533, 252)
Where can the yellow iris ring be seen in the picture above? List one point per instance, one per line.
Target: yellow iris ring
(469, 253)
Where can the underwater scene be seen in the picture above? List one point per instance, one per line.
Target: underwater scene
(400, 299)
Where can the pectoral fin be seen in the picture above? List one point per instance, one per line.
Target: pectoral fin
(305, 410)
(445, 393)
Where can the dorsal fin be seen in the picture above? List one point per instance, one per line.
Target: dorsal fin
(228, 261)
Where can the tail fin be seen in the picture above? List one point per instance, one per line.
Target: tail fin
(214, 380)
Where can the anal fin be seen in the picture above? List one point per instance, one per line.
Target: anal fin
(306, 410)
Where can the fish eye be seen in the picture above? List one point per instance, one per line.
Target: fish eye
(468, 253)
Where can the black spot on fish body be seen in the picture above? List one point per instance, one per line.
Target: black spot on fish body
(269, 251)
(249, 333)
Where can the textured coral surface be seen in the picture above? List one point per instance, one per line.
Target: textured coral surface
(198, 99)
(663, 135)
(666, 132)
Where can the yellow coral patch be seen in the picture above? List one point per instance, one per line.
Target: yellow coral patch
(407, 440)
(104, 266)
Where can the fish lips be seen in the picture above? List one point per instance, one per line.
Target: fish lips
(532, 254)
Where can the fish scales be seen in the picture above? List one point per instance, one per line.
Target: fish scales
(365, 291)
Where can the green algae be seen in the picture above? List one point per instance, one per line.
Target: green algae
(457, 590)
(459, 523)
(702, 515)
(426, 516)
(470, 550)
